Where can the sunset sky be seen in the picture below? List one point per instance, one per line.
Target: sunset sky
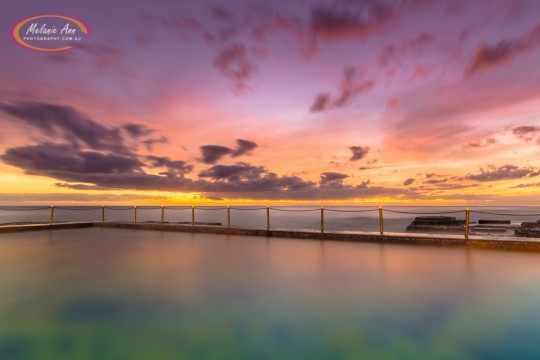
(313, 102)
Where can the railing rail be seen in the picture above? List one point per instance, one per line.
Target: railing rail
(268, 209)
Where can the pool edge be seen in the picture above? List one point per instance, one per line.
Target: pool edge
(519, 244)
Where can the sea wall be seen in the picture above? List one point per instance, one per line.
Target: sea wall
(518, 244)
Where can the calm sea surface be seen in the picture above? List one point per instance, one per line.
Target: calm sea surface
(124, 294)
(362, 219)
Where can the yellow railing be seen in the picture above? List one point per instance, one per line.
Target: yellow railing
(466, 227)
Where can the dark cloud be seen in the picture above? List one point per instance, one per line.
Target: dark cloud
(322, 102)
(57, 121)
(332, 176)
(69, 164)
(357, 20)
(309, 192)
(78, 168)
(233, 62)
(453, 186)
(87, 170)
(527, 133)
(65, 123)
(332, 179)
(212, 153)
(215, 198)
(137, 130)
(352, 84)
(370, 167)
(393, 54)
(80, 186)
(488, 56)
(51, 158)
(243, 147)
(256, 180)
(408, 182)
(104, 161)
(439, 189)
(237, 172)
(505, 172)
(47, 199)
(519, 186)
(232, 27)
(358, 152)
(434, 181)
(149, 143)
(164, 161)
(480, 144)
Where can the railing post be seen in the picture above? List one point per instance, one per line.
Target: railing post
(102, 213)
(322, 219)
(228, 216)
(268, 217)
(192, 215)
(467, 218)
(381, 221)
(51, 220)
(135, 214)
(162, 214)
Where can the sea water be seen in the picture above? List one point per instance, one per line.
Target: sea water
(355, 219)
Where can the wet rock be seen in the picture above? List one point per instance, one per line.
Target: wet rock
(528, 229)
(437, 223)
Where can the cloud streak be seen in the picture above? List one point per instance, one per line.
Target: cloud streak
(234, 62)
(505, 172)
(352, 85)
(489, 56)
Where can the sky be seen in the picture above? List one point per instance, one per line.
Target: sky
(353, 102)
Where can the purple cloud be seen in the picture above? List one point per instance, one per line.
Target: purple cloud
(505, 172)
(358, 152)
(352, 84)
(233, 62)
(488, 56)
(408, 182)
(213, 153)
(527, 133)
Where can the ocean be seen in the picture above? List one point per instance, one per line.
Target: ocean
(336, 218)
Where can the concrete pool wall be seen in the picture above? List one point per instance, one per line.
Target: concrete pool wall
(521, 244)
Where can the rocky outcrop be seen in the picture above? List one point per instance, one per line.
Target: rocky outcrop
(436, 223)
(528, 229)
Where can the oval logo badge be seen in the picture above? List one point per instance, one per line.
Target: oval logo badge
(49, 32)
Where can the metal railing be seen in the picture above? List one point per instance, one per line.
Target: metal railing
(105, 209)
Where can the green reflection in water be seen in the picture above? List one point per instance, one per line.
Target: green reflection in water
(111, 294)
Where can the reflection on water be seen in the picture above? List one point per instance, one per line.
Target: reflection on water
(110, 293)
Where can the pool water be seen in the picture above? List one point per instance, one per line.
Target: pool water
(131, 294)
